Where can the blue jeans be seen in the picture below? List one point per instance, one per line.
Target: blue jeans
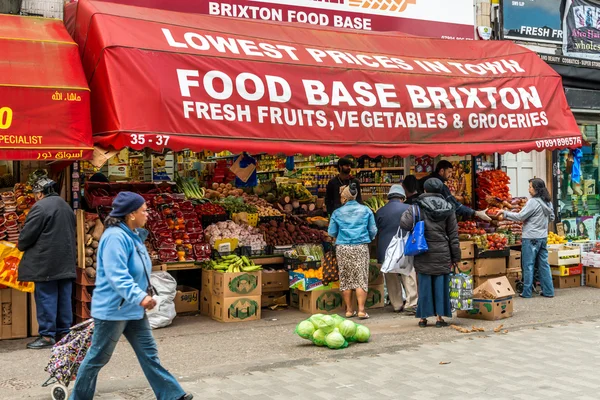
(139, 335)
(534, 254)
(53, 307)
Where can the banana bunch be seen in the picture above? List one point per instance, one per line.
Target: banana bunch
(374, 203)
(234, 263)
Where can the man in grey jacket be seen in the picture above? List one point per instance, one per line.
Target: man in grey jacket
(49, 245)
(387, 219)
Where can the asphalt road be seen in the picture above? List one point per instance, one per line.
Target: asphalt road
(196, 347)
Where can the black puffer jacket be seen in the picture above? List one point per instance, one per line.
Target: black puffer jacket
(48, 242)
(441, 233)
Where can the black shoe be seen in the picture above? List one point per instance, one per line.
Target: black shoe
(441, 324)
(41, 343)
(423, 323)
(187, 396)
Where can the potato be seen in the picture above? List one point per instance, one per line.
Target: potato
(90, 272)
(89, 261)
(95, 244)
(89, 251)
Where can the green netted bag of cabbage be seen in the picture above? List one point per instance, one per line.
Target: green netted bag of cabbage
(332, 331)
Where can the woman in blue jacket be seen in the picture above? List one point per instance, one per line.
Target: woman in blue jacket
(122, 295)
(353, 226)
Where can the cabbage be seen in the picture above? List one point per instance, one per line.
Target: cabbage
(347, 329)
(335, 340)
(327, 324)
(338, 319)
(318, 337)
(305, 329)
(316, 319)
(362, 334)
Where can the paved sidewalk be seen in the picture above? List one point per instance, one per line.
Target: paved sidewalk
(540, 363)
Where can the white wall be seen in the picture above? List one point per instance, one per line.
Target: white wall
(44, 8)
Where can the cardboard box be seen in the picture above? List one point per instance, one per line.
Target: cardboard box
(33, 322)
(375, 297)
(207, 279)
(298, 281)
(565, 282)
(14, 317)
(564, 270)
(375, 275)
(273, 298)
(186, 299)
(467, 250)
(466, 266)
(592, 277)
(496, 288)
(513, 278)
(235, 309)
(321, 301)
(275, 281)
(236, 284)
(489, 266)
(294, 298)
(480, 280)
(564, 255)
(514, 261)
(205, 303)
(489, 310)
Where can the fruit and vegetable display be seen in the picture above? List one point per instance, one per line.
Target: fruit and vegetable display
(553, 238)
(374, 203)
(306, 252)
(492, 184)
(236, 204)
(246, 235)
(332, 331)
(232, 264)
(221, 191)
(176, 234)
(263, 207)
(93, 228)
(293, 231)
(190, 187)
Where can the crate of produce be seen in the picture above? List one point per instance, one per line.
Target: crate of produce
(564, 255)
(565, 270)
(480, 253)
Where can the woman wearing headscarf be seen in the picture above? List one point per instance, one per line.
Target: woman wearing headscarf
(536, 215)
(434, 266)
(122, 295)
(353, 226)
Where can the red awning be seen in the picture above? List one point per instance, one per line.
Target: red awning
(164, 79)
(44, 96)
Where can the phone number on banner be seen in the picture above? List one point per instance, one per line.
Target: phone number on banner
(559, 142)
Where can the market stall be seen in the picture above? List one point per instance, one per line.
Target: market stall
(44, 118)
(174, 89)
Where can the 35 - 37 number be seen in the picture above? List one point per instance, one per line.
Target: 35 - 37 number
(6, 115)
(161, 140)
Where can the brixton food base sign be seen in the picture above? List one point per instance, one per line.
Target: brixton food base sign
(199, 82)
(581, 25)
(429, 18)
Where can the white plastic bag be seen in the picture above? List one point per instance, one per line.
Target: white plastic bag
(395, 261)
(166, 289)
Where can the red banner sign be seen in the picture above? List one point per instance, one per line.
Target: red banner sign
(44, 99)
(246, 86)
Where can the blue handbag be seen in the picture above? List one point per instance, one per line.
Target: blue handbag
(416, 243)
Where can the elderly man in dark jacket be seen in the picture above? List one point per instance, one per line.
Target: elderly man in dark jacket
(434, 266)
(49, 245)
(387, 219)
